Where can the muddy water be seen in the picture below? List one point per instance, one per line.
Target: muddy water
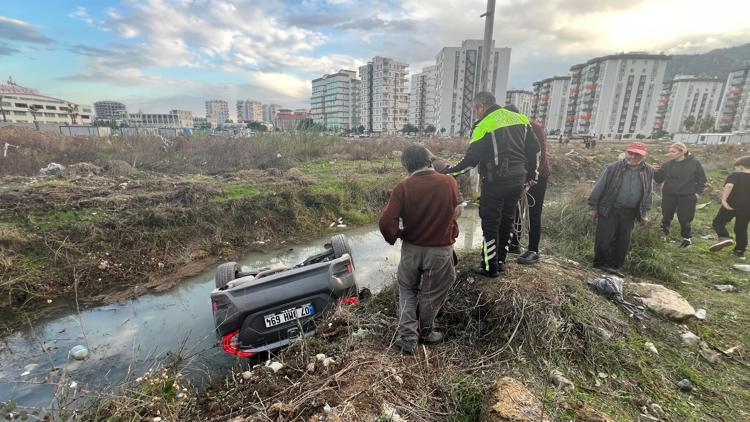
(126, 339)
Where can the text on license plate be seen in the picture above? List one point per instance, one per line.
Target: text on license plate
(288, 315)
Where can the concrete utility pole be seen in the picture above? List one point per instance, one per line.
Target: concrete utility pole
(489, 22)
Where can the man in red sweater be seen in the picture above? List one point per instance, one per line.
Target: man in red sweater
(427, 203)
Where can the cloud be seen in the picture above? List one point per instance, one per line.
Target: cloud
(282, 83)
(18, 30)
(7, 51)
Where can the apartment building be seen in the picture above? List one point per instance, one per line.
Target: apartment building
(687, 97)
(334, 103)
(616, 96)
(270, 111)
(156, 120)
(458, 72)
(384, 104)
(217, 110)
(548, 106)
(422, 99)
(25, 105)
(522, 99)
(184, 117)
(734, 112)
(249, 111)
(110, 111)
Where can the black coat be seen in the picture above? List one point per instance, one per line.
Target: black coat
(684, 177)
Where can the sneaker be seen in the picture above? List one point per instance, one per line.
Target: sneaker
(407, 346)
(479, 270)
(515, 249)
(432, 338)
(686, 243)
(721, 244)
(739, 254)
(528, 258)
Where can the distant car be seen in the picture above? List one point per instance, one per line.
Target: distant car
(264, 309)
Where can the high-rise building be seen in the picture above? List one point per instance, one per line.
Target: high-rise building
(110, 111)
(269, 112)
(616, 96)
(218, 110)
(156, 120)
(458, 78)
(688, 98)
(522, 99)
(550, 102)
(575, 96)
(26, 105)
(249, 111)
(334, 102)
(384, 104)
(734, 113)
(422, 99)
(184, 117)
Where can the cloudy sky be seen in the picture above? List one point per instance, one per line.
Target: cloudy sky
(156, 55)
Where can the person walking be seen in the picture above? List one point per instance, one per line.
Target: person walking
(684, 179)
(507, 152)
(427, 203)
(535, 194)
(621, 196)
(735, 203)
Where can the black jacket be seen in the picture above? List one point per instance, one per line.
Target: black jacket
(684, 177)
(518, 153)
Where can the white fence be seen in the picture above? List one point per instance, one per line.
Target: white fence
(713, 138)
(103, 131)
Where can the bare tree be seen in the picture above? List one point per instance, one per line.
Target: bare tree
(72, 111)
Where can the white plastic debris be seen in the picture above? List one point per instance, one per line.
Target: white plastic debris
(742, 267)
(247, 375)
(327, 362)
(276, 366)
(651, 348)
(78, 352)
(327, 408)
(73, 384)
(51, 169)
(320, 357)
(700, 314)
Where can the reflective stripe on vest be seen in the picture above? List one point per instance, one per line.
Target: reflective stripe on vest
(496, 120)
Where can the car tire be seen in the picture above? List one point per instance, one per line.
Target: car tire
(341, 247)
(224, 274)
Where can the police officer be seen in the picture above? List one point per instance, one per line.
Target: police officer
(507, 152)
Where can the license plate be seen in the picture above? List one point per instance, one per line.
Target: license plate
(288, 315)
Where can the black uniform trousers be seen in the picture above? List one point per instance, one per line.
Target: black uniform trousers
(536, 203)
(723, 217)
(612, 240)
(497, 209)
(684, 205)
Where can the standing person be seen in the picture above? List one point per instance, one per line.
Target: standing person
(536, 193)
(621, 195)
(735, 203)
(504, 147)
(426, 202)
(684, 179)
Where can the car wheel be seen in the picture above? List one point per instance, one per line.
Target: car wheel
(341, 246)
(224, 274)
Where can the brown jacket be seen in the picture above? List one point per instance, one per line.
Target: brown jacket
(426, 202)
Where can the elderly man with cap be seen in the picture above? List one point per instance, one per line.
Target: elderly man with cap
(621, 196)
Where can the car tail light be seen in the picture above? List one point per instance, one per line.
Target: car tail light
(341, 268)
(349, 300)
(229, 343)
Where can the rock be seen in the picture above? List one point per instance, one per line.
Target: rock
(52, 169)
(311, 367)
(709, 355)
(274, 172)
(275, 366)
(78, 352)
(511, 400)
(362, 332)
(651, 348)
(118, 168)
(725, 288)
(742, 267)
(700, 314)
(320, 357)
(690, 339)
(247, 375)
(657, 410)
(586, 413)
(328, 362)
(685, 385)
(663, 301)
(604, 333)
(103, 265)
(560, 381)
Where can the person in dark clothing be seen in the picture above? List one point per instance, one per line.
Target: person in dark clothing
(427, 203)
(621, 196)
(506, 150)
(536, 192)
(684, 179)
(735, 203)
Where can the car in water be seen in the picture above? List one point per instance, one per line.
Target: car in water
(264, 309)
